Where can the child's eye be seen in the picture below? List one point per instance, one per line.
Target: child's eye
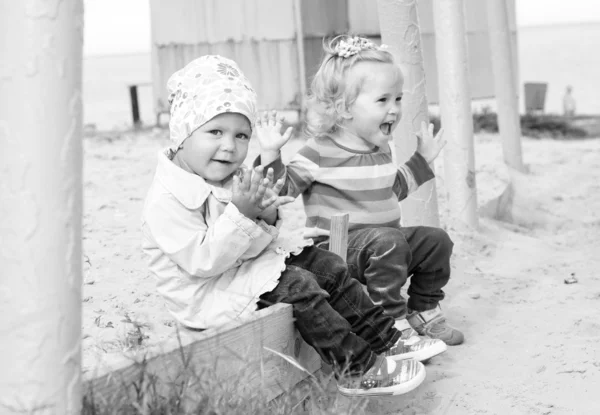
(399, 98)
(242, 136)
(382, 99)
(216, 132)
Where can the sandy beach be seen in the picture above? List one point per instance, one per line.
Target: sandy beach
(531, 339)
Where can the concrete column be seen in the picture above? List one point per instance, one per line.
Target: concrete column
(505, 83)
(40, 206)
(455, 105)
(399, 24)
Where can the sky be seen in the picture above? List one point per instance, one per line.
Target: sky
(123, 26)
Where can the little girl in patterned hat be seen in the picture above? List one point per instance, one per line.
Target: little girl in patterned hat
(211, 228)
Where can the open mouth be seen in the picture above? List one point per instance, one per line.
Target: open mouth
(224, 162)
(386, 127)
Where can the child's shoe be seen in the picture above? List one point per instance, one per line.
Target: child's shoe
(386, 377)
(411, 346)
(432, 323)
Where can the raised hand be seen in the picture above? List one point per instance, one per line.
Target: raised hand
(429, 146)
(273, 190)
(268, 132)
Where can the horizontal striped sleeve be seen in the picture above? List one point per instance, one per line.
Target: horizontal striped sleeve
(371, 195)
(301, 171)
(411, 175)
(407, 182)
(420, 169)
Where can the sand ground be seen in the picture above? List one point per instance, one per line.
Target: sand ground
(531, 340)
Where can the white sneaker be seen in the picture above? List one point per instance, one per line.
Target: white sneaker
(412, 346)
(386, 377)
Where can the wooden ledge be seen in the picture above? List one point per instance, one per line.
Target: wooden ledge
(232, 353)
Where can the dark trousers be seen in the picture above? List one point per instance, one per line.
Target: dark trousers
(332, 312)
(384, 258)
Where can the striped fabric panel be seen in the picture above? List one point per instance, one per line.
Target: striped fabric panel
(373, 173)
(409, 179)
(359, 160)
(300, 174)
(359, 193)
(366, 185)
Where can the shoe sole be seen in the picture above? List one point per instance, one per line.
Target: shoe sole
(454, 340)
(401, 389)
(423, 354)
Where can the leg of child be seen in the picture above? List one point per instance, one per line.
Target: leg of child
(384, 258)
(338, 319)
(332, 312)
(380, 258)
(430, 249)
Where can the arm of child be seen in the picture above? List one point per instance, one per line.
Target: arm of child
(183, 234)
(416, 170)
(411, 175)
(299, 174)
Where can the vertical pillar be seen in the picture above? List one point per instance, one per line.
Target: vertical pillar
(301, 59)
(41, 206)
(505, 83)
(135, 106)
(399, 24)
(457, 118)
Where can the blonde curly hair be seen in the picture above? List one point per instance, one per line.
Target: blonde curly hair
(330, 90)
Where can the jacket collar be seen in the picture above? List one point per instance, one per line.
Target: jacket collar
(191, 190)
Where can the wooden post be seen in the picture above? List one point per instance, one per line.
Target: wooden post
(457, 118)
(41, 206)
(399, 25)
(135, 109)
(505, 83)
(338, 238)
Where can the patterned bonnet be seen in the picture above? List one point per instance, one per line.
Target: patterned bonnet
(206, 87)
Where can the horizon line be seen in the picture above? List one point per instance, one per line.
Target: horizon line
(526, 26)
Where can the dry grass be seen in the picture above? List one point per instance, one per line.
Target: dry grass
(199, 391)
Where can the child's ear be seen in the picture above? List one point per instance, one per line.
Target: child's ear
(342, 109)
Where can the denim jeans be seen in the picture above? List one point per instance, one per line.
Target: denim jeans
(332, 312)
(384, 258)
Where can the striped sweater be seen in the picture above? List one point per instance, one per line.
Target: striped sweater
(365, 184)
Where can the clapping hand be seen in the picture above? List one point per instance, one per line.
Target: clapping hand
(253, 194)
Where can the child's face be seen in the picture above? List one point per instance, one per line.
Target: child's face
(217, 149)
(376, 111)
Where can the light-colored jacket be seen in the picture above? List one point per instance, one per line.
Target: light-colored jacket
(210, 261)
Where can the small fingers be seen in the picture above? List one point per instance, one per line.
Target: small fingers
(273, 118)
(282, 200)
(288, 133)
(236, 184)
(440, 138)
(270, 175)
(280, 119)
(262, 188)
(440, 133)
(278, 186)
(430, 129)
(257, 176)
